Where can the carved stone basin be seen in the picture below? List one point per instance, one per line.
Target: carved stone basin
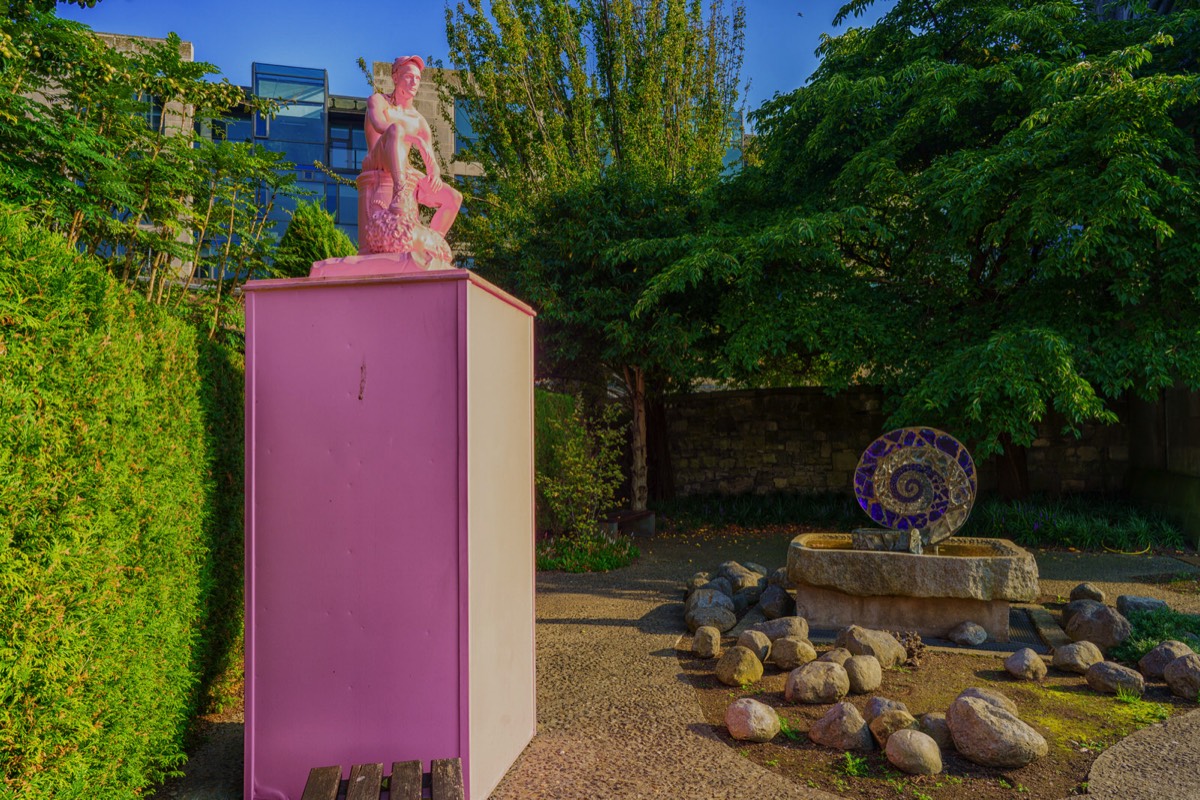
(963, 579)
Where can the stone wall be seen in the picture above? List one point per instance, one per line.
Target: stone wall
(803, 440)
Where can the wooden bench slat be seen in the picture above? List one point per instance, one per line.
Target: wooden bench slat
(322, 783)
(447, 779)
(406, 780)
(365, 782)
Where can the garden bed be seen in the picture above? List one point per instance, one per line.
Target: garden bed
(1077, 722)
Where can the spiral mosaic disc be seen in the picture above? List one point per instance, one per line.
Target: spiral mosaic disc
(917, 479)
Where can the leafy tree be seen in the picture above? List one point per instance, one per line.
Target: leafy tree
(311, 235)
(101, 142)
(988, 208)
(596, 121)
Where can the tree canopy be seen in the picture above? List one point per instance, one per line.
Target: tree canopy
(988, 208)
(596, 122)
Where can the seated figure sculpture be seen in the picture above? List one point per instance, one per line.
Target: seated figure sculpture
(390, 188)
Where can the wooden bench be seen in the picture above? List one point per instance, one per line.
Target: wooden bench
(407, 782)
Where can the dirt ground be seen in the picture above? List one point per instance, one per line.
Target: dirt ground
(1077, 723)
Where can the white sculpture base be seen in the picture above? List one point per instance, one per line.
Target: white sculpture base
(373, 264)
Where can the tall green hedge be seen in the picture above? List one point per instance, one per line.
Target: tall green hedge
(105, 497)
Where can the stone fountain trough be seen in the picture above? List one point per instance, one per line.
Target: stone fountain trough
(960, 579)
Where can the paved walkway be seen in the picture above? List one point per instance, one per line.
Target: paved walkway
(616, 719)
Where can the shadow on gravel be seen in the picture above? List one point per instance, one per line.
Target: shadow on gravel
(214, 770)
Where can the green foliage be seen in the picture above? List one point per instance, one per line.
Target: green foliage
(596, 123)
(1087, 522)
(1143, 711)
(854, 766)
(113, 161)
(1150, 628)
(311, 235)
(592, 552)
(989, 208)
(106, 531)
(577, 470)
(831, 510)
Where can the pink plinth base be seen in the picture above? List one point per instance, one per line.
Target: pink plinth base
(389, 527)
(374, 264)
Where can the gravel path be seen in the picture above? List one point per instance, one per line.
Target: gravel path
(616, 718)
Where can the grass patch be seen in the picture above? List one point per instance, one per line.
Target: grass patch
(834, 511)
(1087, 522)
(586, 553)
(1152, 627)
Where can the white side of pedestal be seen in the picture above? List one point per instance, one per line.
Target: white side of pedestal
(500, 539)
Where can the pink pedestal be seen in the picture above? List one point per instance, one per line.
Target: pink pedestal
(361, 266)
(389, 527)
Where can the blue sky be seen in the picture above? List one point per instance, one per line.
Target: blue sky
(333, 33)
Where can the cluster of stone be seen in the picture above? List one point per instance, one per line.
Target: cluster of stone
(718, 599)
(981, 724)
(1095, 627)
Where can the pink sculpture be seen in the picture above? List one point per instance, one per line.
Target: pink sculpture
(390, 188)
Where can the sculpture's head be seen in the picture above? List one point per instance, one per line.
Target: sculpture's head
(406, 73)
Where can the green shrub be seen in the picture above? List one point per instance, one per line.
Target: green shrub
(104, 564)
(311, 235)
(577, 470)
(589, 552)
(1152, 627)
(1088, 522)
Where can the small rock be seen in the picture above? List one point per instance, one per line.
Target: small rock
(878, 705)
(991, 736)
(707, 642)
(757, 643)
(889, 722)
(1153, 663)
(779, 578)
(789, 652)
(1108, 676)
(1129, 603)
(867, 642)
(992, 697)
(696, 581)
(722, 585)
(1183, 676)
(934, 726)
(914, 752)
(1076, 657)
(864, 673)
(1088, 591)
(817, 682)
(776, 602)
(741, 602)
(838, 655)
(708, 597)
(1026, 665)
(709, 607)
(1075, 606)
(968, 634)
(722, 619)
(842, 728)
(759, 568)
(738, 667)
(739, 577)
(749, 720)
(783, 626)
(1103, 626)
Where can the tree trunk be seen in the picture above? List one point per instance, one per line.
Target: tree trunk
(1012, 471)
(635, 383)
(661, 475)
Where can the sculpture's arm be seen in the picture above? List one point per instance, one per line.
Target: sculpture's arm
(377, 117)
(423, 141)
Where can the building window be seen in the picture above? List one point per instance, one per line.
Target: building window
(464, 133)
